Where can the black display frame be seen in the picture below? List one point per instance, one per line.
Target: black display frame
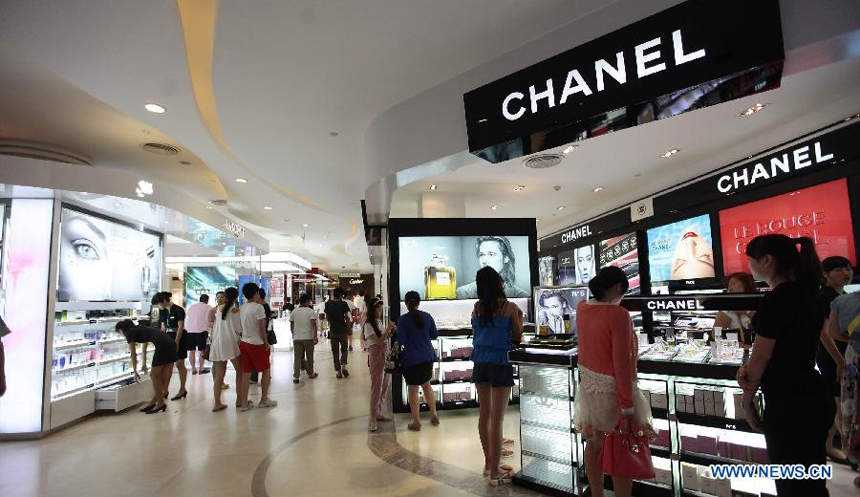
(417, 227)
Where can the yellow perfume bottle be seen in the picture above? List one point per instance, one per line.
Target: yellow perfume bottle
(440, 281)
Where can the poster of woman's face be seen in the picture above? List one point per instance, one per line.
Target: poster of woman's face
(103, 260)
(585, 262)
(681, 250)
(545, 273)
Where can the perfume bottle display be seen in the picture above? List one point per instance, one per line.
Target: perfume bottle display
(440, 280)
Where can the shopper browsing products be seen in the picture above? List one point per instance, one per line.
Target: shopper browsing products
(496, 324)
(843, 322)
(305, 337)
(162, 360)
(172, 319)
(270, 332)
(831, 353)
(788, 328)
(226, 333)
(376, 334)
(415, 329)
(338, 315)
(197, 327)
(607, 366)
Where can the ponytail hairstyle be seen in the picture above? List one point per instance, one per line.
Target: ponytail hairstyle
(412, 301)
(607, 278)
(231, 294)
(490, 291)
(374, 322)
(802, 266)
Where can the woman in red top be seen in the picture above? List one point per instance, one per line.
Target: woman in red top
(607, 364)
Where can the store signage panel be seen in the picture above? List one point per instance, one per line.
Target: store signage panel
(820, 212)
(774, 167)
(577, 234)
(642, 209)
(690, 44)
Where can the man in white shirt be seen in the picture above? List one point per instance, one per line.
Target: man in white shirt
(197, 327)
(353, 313)
(254, 346)
(304, 320)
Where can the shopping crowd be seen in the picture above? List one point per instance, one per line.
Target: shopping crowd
(804, 358)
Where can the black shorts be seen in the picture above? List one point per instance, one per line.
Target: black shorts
(182, 350)
(417, 374)
(165, 353)
(498, 375)
(197, 341)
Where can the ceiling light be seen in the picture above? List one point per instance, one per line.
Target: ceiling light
(305, 225)
(267, 207)
(752, 110)
(286, 220)
(185, 163)
(494, 207)
(209, 207)
(154, 108)
(597, 189)
(560, 208)
(570, 148)
(241, 180)
(483, 120)
(433, 187)
(537, 220)
(670, 153)
(519, 188)
(334, 133)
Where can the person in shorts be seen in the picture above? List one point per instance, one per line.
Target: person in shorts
(197, 328)
(255, 347)
(172, 320)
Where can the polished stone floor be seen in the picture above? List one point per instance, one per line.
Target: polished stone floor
(315, 443)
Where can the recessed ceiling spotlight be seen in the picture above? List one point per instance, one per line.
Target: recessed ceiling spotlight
(154, 108)
(241, 180)
(286, 220)
(494, 207)
(855, 116)
(670, 153)
(519, 188)
(334, 133)
(185, 163)
(433, 187)
(570, 148)
(560, 208)
(752, 110)
(483, 120)
(267, 207)
(597, 189)
(209, 207)
(305, 225)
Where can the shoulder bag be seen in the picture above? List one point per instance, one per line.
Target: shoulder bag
(626, 454)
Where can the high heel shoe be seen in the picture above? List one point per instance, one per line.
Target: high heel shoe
(157, 409)
(146, 408)
(180, 396)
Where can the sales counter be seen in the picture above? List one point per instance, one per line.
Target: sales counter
(696, 408)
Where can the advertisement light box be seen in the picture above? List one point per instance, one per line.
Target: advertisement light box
(577, 266)
(682, 250)
(621, 252)
(819, 212)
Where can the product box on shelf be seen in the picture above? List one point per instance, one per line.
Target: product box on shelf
(690, 444)
(663, 439)
(759, 455)
(659, 400)
(709, 402)
(707, 445)
(690, 476)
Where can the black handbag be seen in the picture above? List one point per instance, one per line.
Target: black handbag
(270, 335)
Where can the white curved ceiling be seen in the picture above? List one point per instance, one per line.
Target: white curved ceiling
(285, 73)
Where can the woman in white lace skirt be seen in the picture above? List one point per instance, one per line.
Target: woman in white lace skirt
(607, 366)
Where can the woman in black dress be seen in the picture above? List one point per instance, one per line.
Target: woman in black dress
(798, 409)
(162, 361)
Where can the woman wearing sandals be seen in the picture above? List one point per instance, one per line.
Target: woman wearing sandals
(415, 329)
(224, 344)
(162, 361)
(377, 349)
(496, 324)
(607, 366)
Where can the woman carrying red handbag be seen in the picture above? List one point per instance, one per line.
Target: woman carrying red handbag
(609, 409)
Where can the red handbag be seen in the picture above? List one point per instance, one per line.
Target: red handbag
(626, 454)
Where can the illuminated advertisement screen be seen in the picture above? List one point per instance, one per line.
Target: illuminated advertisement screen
(105, 260)
(621, 252)
(555, 308)
(682, 250)
(577, 266)
(207, 280)
(820, 212)
(444, 267)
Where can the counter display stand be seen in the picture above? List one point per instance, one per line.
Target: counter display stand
(90, 364)
(696, 404)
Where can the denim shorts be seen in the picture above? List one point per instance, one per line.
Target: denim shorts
(498, 375)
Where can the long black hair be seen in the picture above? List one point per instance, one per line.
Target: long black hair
(371, 316)
(231, 294)
(802, 266)
(490, 291)
(412, 301)
(606, 279)
(124, 325)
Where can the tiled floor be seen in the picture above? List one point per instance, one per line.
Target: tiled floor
(314, 443)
